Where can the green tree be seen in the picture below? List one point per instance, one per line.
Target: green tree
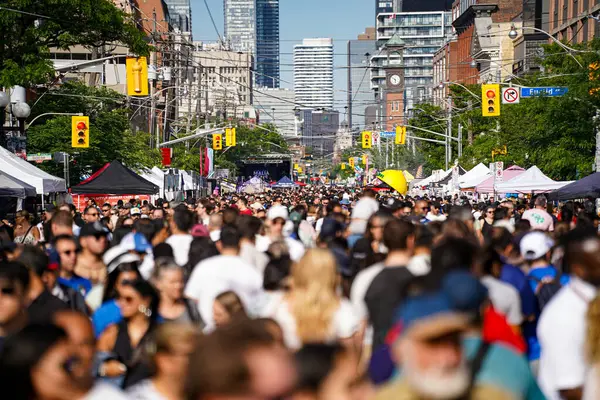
(110, 134)
(28, 36)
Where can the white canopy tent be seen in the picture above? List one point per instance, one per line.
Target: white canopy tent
(473, 174)
(435, 177)
(532, 180)
(188, 181)
(155, 177)
(22, 170)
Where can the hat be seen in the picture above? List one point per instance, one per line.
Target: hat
(127, 205)
(136, 242)
(295, 217)
(535, 245)
(465, 292)
(116, 256)
(93, 229)
(345, 202)
(430, 316)
(256, 206)
(277, 212)
(50, 208)
(135, 211)
(199, 230)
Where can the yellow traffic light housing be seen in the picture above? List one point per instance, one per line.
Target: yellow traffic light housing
(217, 141)
(80, 132)
(400, 135)
(490, 100)
(137, 76)
(230, 140)
(366, 139)
(351, 162)
(365, 159)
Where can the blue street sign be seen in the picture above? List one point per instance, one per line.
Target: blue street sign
(544, 91)
(387, 134)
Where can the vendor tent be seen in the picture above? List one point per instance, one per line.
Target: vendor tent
(253, 185)
(436, 176)
(586, 187)
(532, 180)
(487, 186)
(30, 174)
(448, 178)
(475, 173)
(12, 187)
(284, 183)
(116, 179)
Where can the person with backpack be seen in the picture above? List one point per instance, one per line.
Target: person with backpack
(544, 279)
(562, 325)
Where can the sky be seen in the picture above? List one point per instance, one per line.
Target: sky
(341, 20)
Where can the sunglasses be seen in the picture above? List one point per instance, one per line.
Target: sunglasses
(8, 290)
(93, 215)
(68, 252)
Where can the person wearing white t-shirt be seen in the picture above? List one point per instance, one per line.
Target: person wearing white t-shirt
(312, 311)
(277, 217)
(180, 239)
(561, 328)
(538, 217)
(227, 271)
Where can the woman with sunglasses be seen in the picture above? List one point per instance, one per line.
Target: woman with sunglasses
(486, 223)
(110, 313)
(168, 357)
(119, 347)
(25, 233)
(168, 278)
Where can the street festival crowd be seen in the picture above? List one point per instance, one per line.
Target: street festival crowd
(313, 293)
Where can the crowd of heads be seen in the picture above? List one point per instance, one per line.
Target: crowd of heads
(312, 293)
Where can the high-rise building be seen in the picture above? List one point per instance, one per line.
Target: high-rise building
(276, 106)
(240, 24)
(313, 73)
(360, 95)
(180, 14)
(387, 6)
(319, 129)
(428, 5)
(267, 43)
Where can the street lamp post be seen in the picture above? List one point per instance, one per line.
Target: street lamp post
(20, 110)
(513, 34)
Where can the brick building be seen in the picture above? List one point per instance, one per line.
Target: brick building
(569, 20)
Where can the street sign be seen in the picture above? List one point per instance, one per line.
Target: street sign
(510, 95)
(544, 91)
(39, 157)
(388, 134)
(499, 171)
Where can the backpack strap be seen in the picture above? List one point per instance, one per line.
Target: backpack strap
(477, 363)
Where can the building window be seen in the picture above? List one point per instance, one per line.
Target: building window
(395, 106)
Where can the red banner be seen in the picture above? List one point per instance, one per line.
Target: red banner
(166, 156)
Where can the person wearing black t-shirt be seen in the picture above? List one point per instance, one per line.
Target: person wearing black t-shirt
(14, 283)
(378, 290)
(43, 304)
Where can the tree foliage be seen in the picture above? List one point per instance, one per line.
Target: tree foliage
(110, 135)
(28, 36)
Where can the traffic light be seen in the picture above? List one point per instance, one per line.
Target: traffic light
(80, 132)
(400, 135)
(217, 141)
(490, 100)
(351, 162)
(365, 159)
(366, 140)
(137, 76)
(343, 165)
(230, 140)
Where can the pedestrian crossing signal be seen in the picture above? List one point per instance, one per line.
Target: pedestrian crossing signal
(366, 140)
(80, 132)
(217, 141)
(351, 162)
(400, 135)
(344, 165)
(490, 100)
(137, 76)
(230, 139)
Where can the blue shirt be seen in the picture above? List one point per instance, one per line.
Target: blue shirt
(109, 313)
(82, 285)
(516, 278)
(505, 369)
(530, 328)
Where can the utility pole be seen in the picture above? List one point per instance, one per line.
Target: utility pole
(470, 124)
(460, 145)
(449, 133)
(596, 121)
(153, 130)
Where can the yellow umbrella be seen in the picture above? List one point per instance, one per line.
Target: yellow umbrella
(409, 177)
(395, 179)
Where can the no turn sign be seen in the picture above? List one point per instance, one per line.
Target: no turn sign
(510, 95)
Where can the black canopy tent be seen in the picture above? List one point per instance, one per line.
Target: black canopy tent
(13, 187)
(586, 187)
(116, 179)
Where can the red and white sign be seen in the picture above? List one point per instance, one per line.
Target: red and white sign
(499, 171)
(510, 95)
(80, 200)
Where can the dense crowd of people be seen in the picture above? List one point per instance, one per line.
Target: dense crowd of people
(311, 293)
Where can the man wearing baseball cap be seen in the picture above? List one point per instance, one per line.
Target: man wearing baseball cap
(93, 240)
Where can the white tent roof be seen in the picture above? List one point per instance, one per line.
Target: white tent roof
(532, 180)
(188, 182)
(153, 177)
(476, 172)
(434, 178)
(28, 173)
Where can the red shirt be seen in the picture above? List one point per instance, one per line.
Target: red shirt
(247, 211)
